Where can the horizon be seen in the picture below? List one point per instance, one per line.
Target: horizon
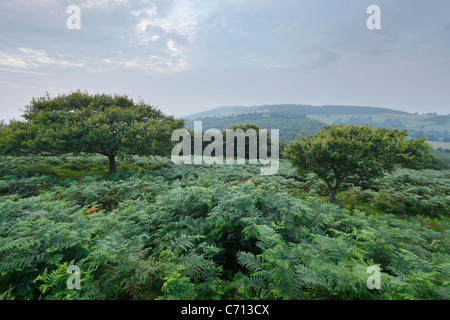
(284, 104)
(188, 56)
(310, 105)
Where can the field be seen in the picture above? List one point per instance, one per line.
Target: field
(290, 119)
(401, 121)
(437, 145)
(159, 231)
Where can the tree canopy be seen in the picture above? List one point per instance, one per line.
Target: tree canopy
(354, 154)
(79, 122)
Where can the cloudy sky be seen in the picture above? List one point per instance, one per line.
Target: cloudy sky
(186, 56)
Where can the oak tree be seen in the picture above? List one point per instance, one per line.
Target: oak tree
(79, 122)
(354, 154)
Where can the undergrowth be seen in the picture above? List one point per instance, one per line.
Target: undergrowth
(159, 231)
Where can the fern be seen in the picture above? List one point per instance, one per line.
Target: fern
(158, 231)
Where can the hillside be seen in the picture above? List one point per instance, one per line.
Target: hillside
(292, 109)
(290, 125)
(293, 119)
(146, 228)
(159, 231)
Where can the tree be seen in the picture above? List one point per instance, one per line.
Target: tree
(239, 137)
(83, 123)
(247, 128)
(356, 154)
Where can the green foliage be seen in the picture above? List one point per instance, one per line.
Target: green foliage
(289, 124)
(353, 154)
(240, 137)
(293, 119)
(441, 160)
(424, 193)
(93, 124)
(158, 231)
(247, 128)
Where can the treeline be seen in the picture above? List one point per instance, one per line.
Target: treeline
(290, 125)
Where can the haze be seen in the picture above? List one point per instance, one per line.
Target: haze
(190, 56)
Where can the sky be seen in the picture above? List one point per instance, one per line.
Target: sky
(187, 56)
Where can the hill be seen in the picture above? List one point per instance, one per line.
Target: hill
(291, 120)
(292, 109)
(290, 125)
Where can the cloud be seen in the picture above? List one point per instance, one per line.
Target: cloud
(102, 3)
(181, 20)
(230, 51)
(168, 29)
(35, 73)
(155, 35)
(25, 58)
(15, 85)
(171, 59)
(327, 58)
(10, 60)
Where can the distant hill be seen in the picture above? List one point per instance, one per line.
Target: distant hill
(290, 125)
(293, 119)
(218, 112)
(292, 109)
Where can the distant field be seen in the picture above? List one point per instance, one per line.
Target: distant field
(412, 121)
(333, 118)
(417, 125)
(409, 116)
(436, 145)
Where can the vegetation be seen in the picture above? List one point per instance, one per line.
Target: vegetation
(84, 123)
(339, 154)
(159, 231)
(290, 125)
(145, 228)
(293, 119)
(240, 137)
(295, 109)
(432, 128)
(440, 160)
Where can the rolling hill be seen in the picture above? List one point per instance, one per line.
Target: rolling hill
(291, 119)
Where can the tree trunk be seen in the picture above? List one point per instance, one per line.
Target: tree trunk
(112, 164)
(333, 195)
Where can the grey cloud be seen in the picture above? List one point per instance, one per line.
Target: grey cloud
(199, 54)
(327, 58)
